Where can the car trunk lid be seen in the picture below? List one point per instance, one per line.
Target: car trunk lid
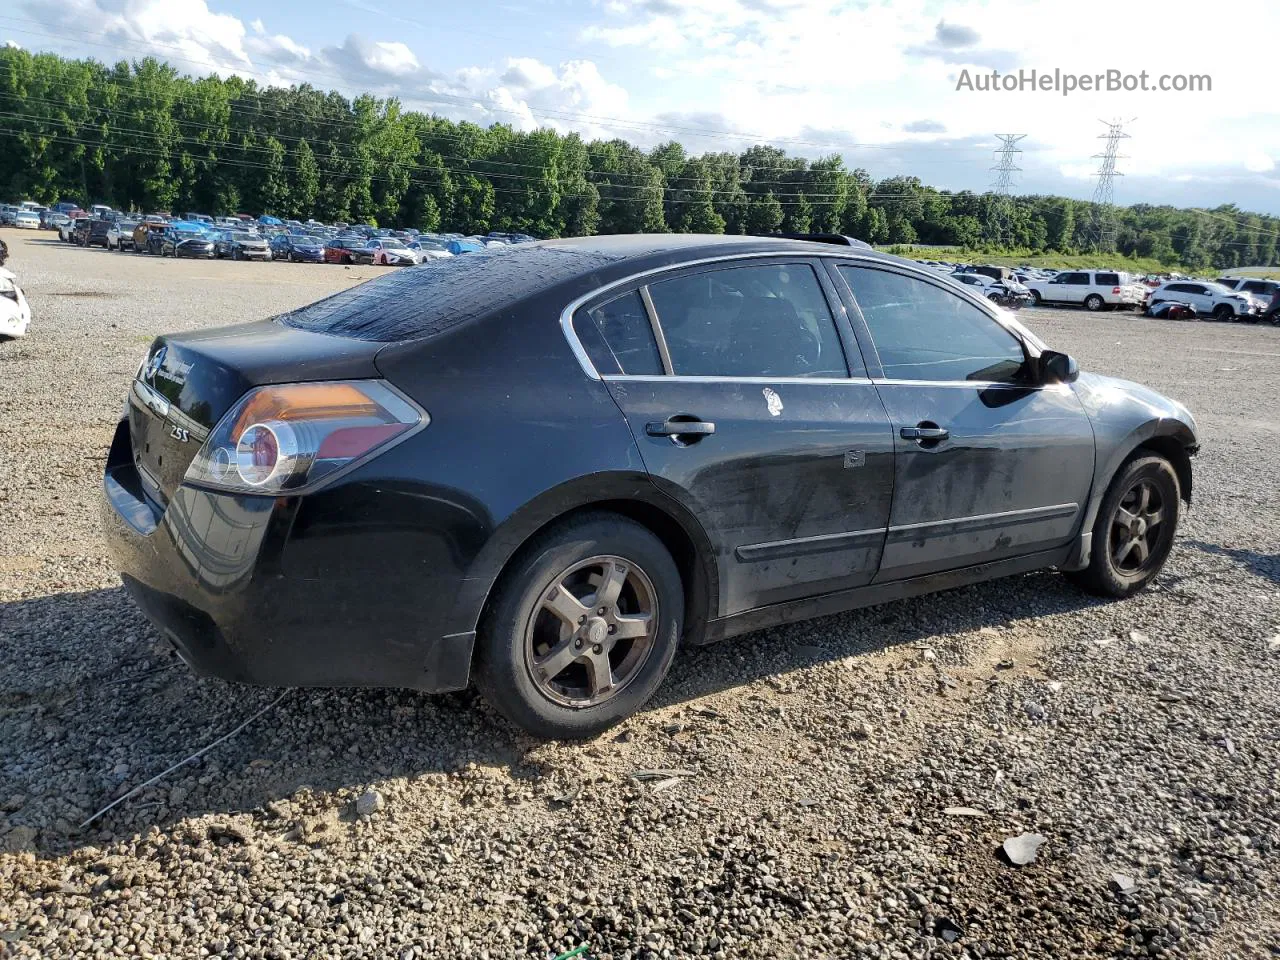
(188, 381)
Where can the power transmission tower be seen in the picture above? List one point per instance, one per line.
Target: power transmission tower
(1104, 215)
(1004, 170)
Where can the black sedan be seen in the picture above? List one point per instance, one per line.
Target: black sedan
(545, 466)
(186, 243)
(297, 248)
(240, 245)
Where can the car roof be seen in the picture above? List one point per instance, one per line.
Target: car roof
(424, 301)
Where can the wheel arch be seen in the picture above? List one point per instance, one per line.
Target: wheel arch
(1168, 438)
(630, 496)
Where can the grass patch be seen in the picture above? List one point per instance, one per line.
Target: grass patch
(1059, 261)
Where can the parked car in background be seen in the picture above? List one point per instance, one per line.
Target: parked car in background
(429, 249)
(348, 250)
(416, 556)
(143, 234)
(392, 252)
(1006, 292)
(1091, 289)
(66, 229)
(95, 234)
(7, 212)
(1210, 299)
(1172, 310)
(1261, 290)
(26, 220)
(185, 241)
(15, 312)
(80, 230)
(120, 235)
(240, 245)
(297, 248)
(52, 220)
(202, 218)
(460, 246)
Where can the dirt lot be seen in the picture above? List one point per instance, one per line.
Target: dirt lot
(820, 763)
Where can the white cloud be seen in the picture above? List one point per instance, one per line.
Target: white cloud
(875, 80)
(1255, 161)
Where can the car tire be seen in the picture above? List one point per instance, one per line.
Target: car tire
(1036, 299)
(1223, 313)
(1094, 303)
(519, 625)
(1114, 569)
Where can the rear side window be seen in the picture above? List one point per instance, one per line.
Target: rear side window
(1108, 279)
(618, 337)
(1076, 278)
(923, 332)
(760, 321)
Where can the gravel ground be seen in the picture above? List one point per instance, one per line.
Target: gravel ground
(819, 764)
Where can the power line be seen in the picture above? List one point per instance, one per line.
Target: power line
(1104, 216)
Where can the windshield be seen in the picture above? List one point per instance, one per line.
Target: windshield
(393, 245)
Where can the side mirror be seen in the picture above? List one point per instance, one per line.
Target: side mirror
(1058, 367)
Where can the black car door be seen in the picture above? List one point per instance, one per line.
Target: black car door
(990, 464)
(735, 378)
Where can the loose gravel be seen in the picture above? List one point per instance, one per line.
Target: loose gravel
(838, 788)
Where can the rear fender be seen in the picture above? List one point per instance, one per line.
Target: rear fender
(627, 492)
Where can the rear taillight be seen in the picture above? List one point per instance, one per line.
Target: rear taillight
(290, 438)
(1115, 289)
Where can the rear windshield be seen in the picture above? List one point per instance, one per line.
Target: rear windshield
(425, 300)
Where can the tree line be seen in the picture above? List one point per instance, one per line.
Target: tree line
(142, 136)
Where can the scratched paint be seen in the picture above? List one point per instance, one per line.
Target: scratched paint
(773, 401)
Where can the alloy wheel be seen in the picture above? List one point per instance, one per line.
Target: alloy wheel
(592, 631)
(1136, 527)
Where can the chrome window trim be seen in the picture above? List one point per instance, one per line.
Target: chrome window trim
(566, 315)
(685, 378)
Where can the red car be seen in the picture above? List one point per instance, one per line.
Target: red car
(348, 250)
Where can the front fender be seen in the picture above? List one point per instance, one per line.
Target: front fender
(1128, 417)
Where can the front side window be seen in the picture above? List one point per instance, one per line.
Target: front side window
(618, 337)
(770, 320)
(923, 332)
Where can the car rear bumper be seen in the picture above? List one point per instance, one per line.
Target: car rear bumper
(210, 570)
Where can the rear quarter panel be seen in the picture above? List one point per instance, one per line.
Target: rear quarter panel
(518, 436)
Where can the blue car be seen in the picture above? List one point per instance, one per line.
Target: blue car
(463, 246)
(297, 248)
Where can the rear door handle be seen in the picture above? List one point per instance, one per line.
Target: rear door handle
(924, 433)
(680, 428)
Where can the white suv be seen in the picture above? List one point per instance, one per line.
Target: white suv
(1091, 289)
(1210, 299)
(1264, 290)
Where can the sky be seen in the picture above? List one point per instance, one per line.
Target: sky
(894, 87)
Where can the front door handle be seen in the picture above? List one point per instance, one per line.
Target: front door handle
(925, 432)
(679, 427)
